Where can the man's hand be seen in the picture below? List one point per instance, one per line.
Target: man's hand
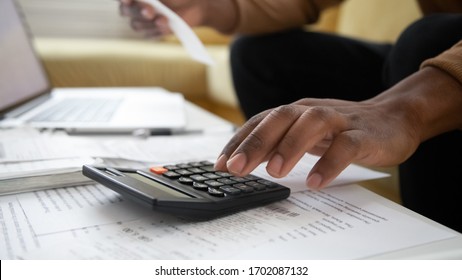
(382, 131)
(341, 132)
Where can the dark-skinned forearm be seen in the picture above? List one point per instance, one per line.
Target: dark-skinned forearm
(429, 100)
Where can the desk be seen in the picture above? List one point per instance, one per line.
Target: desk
(109, 226)
(199, 119)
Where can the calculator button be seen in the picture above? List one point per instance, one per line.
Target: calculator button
(196, 170)
(171, 175)
(183, 165)
(208, 168)
(198, 178)
(244, 188)
(158, 170)
(257, 186)
(212, 176)
(268, 184)
(226, 181)
(171, 167)
(215, 192)
(200, 186)
(223, 174)
(183, 172)
(239, 179)
(213, 183)
(206, 162)
(251, 177)
(230, 190)
(185, 180)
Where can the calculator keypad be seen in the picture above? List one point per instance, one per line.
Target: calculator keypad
(202, 176)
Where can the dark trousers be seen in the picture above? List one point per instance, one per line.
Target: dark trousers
(280, 68)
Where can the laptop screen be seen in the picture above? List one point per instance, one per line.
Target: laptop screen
(22, 76)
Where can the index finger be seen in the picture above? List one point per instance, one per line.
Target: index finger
(260, 143)
(237, 139)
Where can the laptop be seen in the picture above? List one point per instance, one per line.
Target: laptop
(28, 99)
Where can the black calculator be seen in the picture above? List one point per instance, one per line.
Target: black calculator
(192, 189)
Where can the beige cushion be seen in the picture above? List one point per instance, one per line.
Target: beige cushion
(380, 20)
(112, 62)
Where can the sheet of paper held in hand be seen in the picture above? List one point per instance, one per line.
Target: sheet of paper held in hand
(184, 33)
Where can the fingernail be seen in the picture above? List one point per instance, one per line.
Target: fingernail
(237, 163)
(275, 165)
(221, 162)
(314, 181)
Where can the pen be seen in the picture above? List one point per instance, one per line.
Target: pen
(161, 131)
(147, 132)
(142, 132)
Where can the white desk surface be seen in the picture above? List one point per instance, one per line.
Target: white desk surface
(199, 119)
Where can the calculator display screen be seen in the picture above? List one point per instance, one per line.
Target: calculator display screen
(156, 185)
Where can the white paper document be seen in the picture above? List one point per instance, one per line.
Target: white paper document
(18, 133)
(72, 208)
(166, 149)
(35, 148)
(296, 179)
(93, 222)
(346, 222)
(41, 167)
(185, 34)
(343, 221)
(77, 207)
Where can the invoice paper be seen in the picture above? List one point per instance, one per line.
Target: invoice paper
(346, 222)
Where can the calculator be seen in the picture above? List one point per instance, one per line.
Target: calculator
(192, 189)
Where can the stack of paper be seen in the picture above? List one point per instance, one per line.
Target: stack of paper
(31, 161)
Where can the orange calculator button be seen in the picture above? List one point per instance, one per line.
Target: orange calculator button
(158, 170)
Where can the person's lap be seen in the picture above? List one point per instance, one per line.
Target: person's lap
(277, 69)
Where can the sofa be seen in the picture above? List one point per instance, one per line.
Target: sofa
(86, 43)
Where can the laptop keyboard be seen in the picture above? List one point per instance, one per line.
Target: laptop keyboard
(80, 110)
